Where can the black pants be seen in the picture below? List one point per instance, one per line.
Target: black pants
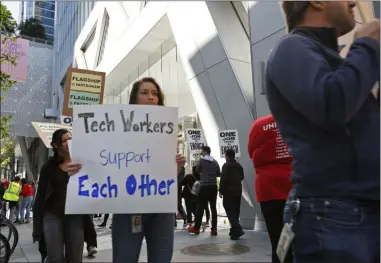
(191, 206)
(273, 213)
(180, 209)
(208, 194)
(232, 206)
(105, 218)
(89, 232)
(207, 212)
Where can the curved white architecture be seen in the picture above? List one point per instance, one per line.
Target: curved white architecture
(207, 56)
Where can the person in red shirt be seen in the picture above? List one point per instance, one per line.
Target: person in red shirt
(27, 193)
(272, 163)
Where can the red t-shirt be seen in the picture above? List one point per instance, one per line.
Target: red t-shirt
(271, 159)
(27, 190)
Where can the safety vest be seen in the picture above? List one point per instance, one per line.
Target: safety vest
(13, 192)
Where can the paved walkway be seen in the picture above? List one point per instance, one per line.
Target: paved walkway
(257, 242)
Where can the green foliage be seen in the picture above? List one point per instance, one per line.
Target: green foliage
(32, 28)
(6, 152)
(7, 23)
(7, 28)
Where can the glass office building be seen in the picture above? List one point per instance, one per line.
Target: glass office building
(43, 11)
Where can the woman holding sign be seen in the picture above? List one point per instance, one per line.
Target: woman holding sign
(129, 230)
(63, 235)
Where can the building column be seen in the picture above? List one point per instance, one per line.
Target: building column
(215, 53)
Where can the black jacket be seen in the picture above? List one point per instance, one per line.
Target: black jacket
(44, 190)
(231, 179)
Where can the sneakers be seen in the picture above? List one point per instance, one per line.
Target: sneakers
(185, 224)
(234, 236)
(213, 232)
(91, 251)
(193, 230)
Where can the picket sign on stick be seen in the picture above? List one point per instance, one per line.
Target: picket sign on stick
(128, 157)
(229, 140)
(196, 141)
(45, 131)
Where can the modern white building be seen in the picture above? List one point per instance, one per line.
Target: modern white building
(209, 58)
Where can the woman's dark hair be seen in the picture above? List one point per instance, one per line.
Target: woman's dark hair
(57, 144)
(294, 12)
(195, 173)
(136, 87)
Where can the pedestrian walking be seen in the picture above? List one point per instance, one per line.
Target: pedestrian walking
(330, 120)
(231, 191)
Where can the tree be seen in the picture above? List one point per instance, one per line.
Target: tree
(7, 28)
(8, 24)
(32, 27)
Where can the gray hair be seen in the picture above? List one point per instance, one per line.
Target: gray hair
(294, 12)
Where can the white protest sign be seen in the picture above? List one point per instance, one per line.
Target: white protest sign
(67, 120)
(196, 141)
(128, 157)
(45, 131)
(229, 140)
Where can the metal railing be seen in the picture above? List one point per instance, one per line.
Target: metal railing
(38, 40)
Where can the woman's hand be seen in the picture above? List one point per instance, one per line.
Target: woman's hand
(73, 168)
(180, 160)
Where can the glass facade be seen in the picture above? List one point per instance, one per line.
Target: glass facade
(43, 11)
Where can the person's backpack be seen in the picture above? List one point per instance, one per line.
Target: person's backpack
(196, 188)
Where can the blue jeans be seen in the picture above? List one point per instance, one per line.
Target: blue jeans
(158, 229)
(26, 204)
(330, 231)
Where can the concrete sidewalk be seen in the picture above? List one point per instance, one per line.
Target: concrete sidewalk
(212, 249)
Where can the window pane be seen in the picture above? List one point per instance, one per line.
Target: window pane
(46, 21)
(44, 13)
(46, 5)
(49, 30)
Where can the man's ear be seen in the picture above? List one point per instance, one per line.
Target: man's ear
(319, 5)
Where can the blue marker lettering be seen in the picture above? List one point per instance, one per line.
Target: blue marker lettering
(147, 156)
(129, 157)
(131, 184)
(81, 179)
(121, 156)
(95, 192)
(162, 187)
(147, 185)
(103, 187)
(103, 157)
(112, 187)
(169, 183)
(111, 159)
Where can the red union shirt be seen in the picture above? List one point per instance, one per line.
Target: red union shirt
(271, 160)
